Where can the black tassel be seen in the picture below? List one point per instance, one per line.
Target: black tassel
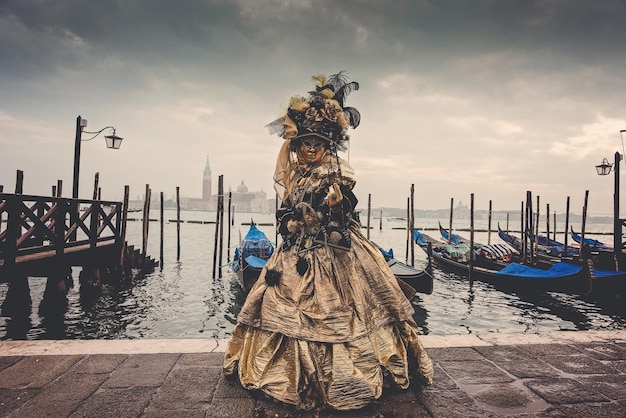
(302, 266)
(272, 277)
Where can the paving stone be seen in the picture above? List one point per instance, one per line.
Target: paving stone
(201, 360)
(11, 399)
(266, 408)
(504, 396)
(403, 410)
(115, 403)
(579, 364)
(231, 408)
(595, 410)
(452, 403)
(441, 380)
(370, 411)
(612, 386)
(563, 391)
(196, 413)
(605, 351)
(517, 362)
(36, 371)
(142, 370)
(186, 389)
(541, 350)
(475, 373)
(454, 354)
(229, 387)
(61, 398)
(617, 365)
(8, 361)
(393, 393)
(105, 363)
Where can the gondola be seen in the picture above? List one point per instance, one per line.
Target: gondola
(251, 256)
(420, 280)
(593, 244)
(545, 256)
(560, 277)
(491, 256)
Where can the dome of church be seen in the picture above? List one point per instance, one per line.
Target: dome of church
(242, 188)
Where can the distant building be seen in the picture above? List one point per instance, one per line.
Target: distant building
(241, 200)
(206, 182)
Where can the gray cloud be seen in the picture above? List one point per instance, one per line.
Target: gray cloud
(488, 92)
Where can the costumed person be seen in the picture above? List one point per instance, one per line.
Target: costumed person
(326, 323)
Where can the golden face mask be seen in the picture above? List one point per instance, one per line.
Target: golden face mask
(311, 150)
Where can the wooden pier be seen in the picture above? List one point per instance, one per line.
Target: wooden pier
(38, 232)
(43, 236)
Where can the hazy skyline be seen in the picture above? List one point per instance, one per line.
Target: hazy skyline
(457, 97)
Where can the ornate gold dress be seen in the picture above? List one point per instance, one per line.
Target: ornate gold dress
(326, 322)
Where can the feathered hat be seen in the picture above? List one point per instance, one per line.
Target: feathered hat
(322, 113)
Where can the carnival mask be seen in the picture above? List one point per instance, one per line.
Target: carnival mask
(312, 149)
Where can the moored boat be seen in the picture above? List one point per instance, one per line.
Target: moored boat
(420, 280)
(593, 244)
(251, 256)
(561, 277)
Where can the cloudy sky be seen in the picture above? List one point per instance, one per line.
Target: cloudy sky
(457, 97)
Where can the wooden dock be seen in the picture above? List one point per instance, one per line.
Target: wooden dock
(36, 231)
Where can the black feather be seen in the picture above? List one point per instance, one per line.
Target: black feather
(302, 266)
(353, 116)
(272, 277)
(338, 80)
(344, 91)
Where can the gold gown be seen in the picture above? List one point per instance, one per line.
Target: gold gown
(330, 336)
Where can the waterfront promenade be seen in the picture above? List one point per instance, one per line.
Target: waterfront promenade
(558, 374)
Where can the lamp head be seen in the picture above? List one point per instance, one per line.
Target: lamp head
(113, 141)
(604, 168)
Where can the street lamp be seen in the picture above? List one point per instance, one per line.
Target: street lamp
(603, 169)
(112, 141)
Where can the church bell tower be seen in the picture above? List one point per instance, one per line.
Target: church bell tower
(206, 182)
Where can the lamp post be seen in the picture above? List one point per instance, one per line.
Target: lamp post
(604, 169)
(112, 141)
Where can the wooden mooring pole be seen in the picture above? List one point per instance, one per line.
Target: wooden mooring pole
(177, 223)
(548, 222)
(582, 232)
(451, 212)
(369, 209)
(471, 252)
(123, 226)
(220, 200)
(220, 193)
(96, 181)
(146, 221)
(536, 220)
(489, 226)
(408, 229)
(412, 220)
(566, 227)
(161, 245)
(230, 198)
(19, 182)
(521, 229)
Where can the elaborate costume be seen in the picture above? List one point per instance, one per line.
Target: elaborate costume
(326, 322)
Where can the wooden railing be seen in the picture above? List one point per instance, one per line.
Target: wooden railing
(34, 225)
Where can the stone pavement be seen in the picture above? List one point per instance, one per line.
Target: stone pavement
(560, 374)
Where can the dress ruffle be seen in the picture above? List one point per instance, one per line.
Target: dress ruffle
(307, 374)
(330, 335)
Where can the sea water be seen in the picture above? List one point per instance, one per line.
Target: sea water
(184, 300)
